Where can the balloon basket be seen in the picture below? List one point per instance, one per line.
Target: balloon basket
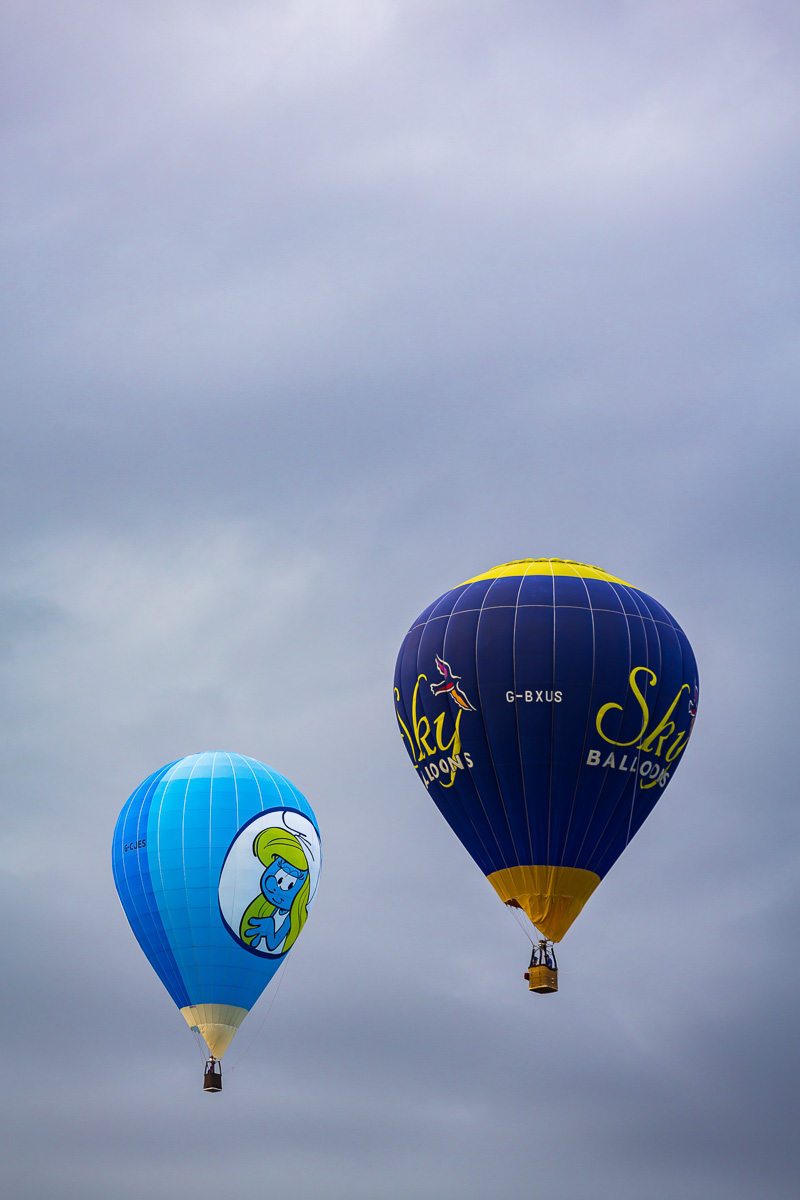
(212, 1076)
(542, 974)
(542, 979)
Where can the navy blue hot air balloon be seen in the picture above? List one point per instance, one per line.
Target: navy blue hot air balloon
(216, 860)
(545, 706)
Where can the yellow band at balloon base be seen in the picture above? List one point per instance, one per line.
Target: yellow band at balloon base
(216, 1024)
(551, 896)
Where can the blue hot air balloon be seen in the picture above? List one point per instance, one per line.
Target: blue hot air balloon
(216, 860)
(545, 706)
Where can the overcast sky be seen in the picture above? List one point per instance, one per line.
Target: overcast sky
(314, 309)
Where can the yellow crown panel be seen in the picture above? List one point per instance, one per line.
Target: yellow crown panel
(547, 566)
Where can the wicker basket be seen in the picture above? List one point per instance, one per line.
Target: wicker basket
(212, 1076)
(543, 979)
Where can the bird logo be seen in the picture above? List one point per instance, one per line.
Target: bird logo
(449, 686)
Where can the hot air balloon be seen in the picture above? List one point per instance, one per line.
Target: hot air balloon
(545, 706)
(216, 859)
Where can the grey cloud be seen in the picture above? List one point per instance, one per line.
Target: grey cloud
(314, 311)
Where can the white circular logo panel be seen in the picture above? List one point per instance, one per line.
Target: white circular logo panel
(269, 880)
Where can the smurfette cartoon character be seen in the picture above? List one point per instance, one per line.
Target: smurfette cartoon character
(277, 915)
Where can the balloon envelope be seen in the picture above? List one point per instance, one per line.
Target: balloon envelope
(545, 706)
(216, 860)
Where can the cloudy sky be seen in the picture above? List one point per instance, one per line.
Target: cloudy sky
(314, 310)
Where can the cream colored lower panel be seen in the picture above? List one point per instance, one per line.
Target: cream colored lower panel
(217, 1023)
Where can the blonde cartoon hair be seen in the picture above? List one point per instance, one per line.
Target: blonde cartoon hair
(270, 844)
